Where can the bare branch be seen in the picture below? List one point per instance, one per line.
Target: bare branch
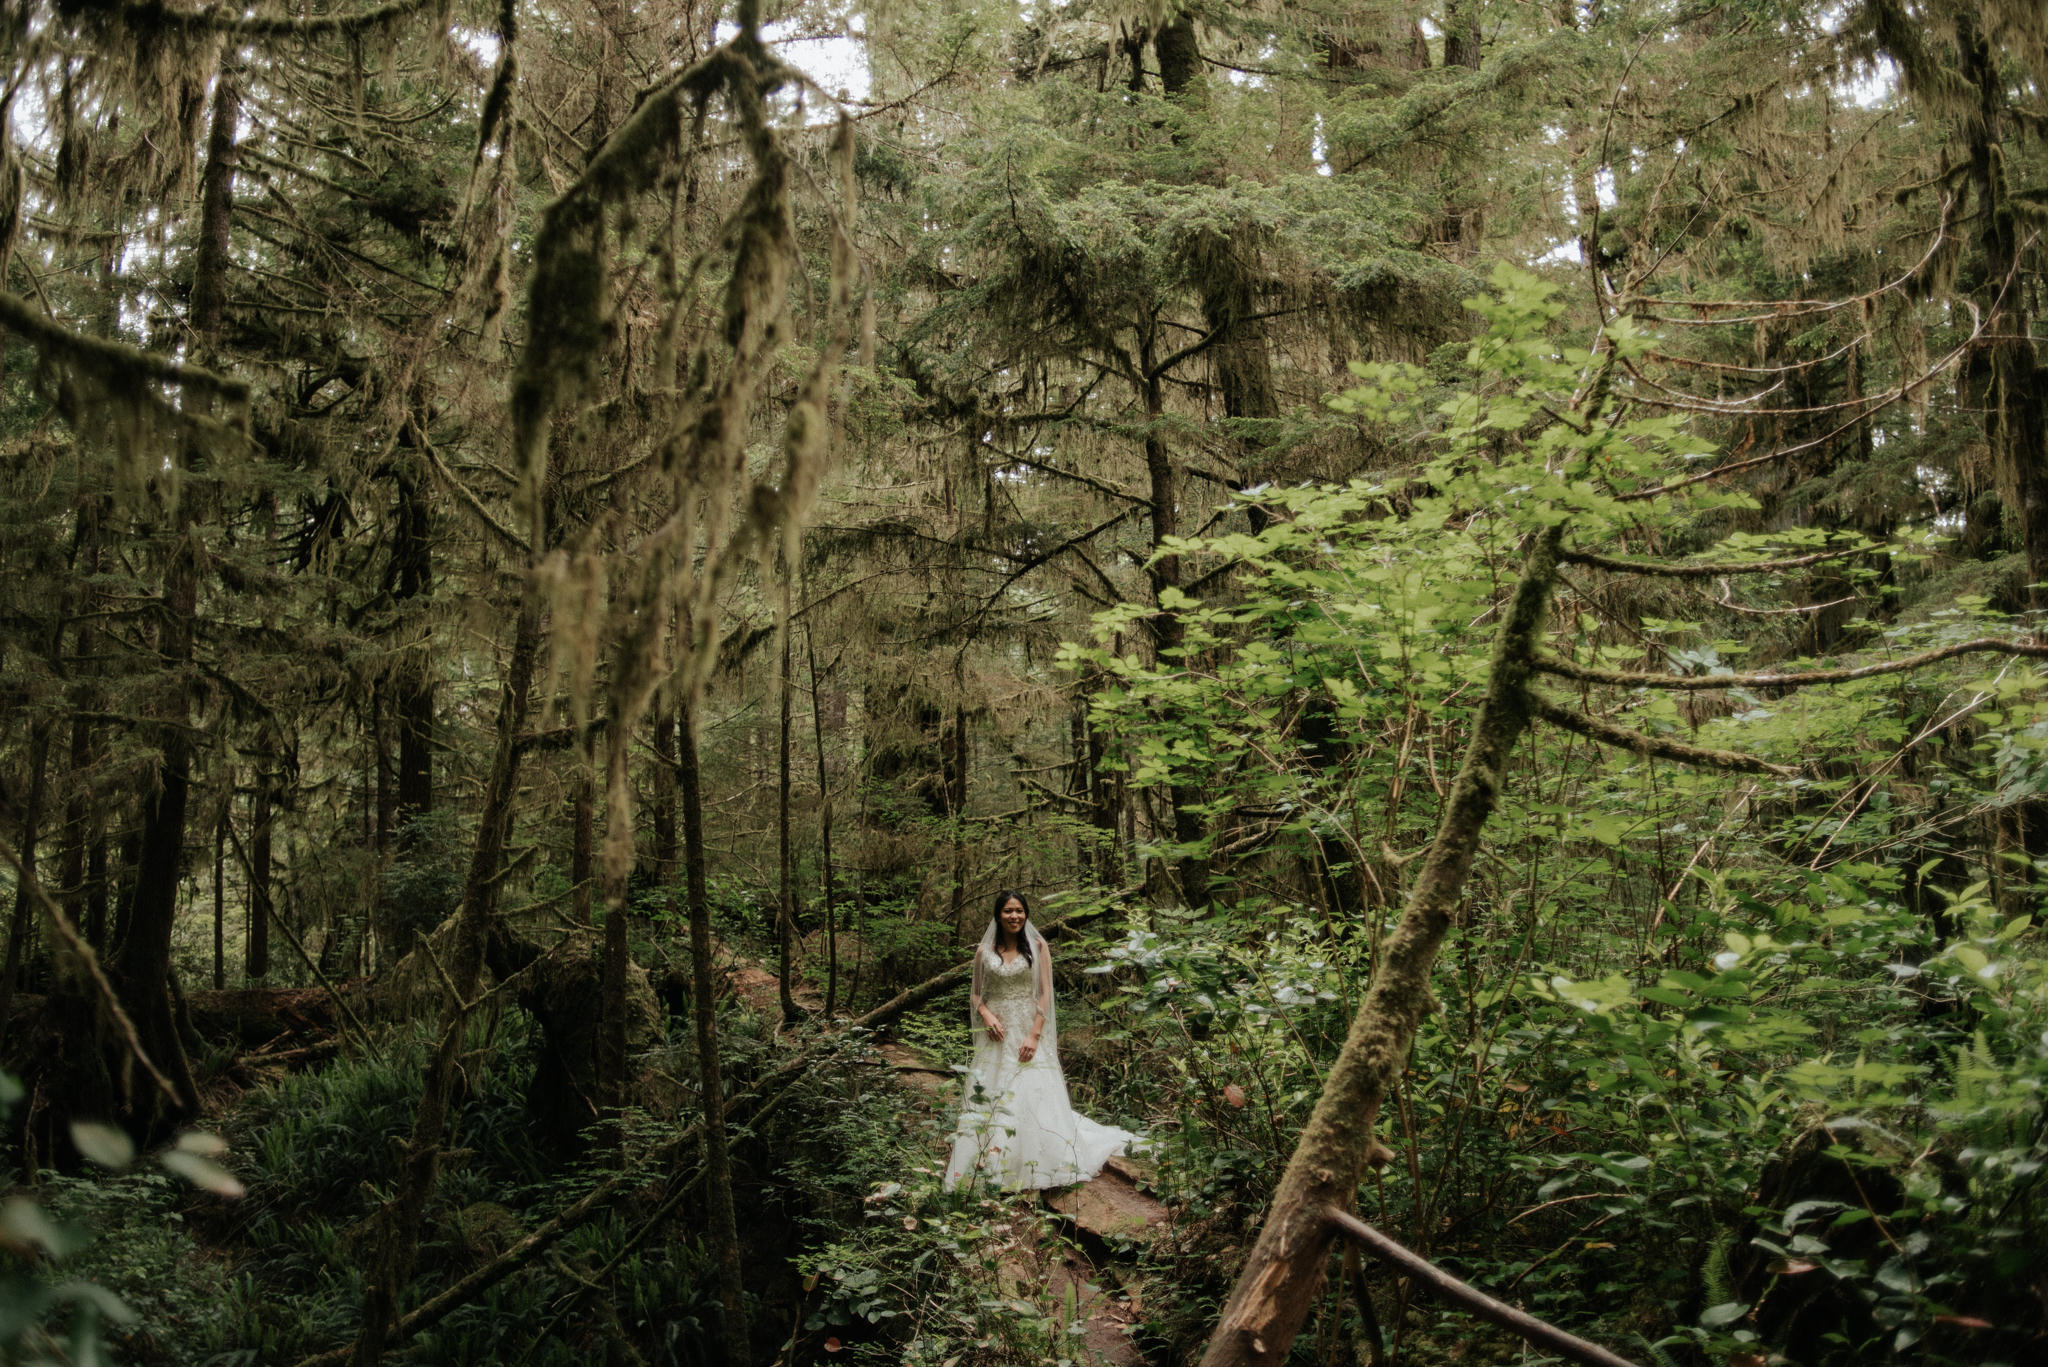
(1704, 683)
(1538, 1332)
(1661, 570)
(1656, 747)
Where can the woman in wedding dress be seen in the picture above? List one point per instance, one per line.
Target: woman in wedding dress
(1016, 1127)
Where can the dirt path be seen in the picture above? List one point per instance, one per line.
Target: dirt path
(1072, 1257)
(1074, 1262)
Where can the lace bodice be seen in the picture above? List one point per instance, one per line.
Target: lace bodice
(1007, 980)
(1011, 989)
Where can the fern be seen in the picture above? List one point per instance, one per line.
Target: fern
(1655, 1353)
(1714, 1276)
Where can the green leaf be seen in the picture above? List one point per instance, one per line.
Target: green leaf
(201, 1143)
(202, 1173)
(102, 1144)
(1727, 1312)
(23, 1222)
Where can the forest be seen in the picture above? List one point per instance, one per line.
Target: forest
(1480, 565)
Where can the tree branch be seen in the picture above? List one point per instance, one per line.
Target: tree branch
(1703, 683)
(1658, 747)
(1656, 569)
(103, 357)
(147, 16)
(1421, 1269)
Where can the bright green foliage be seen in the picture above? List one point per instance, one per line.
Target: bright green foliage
(1636, 1049)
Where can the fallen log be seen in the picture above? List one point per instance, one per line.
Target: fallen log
(250, 1018)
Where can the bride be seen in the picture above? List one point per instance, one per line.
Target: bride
(1016, 1127)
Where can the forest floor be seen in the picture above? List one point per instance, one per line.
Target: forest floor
(1073, 1254)
(1074, 1257)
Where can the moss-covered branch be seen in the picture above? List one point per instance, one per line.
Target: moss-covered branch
(117, 365)
(148, 18)
(1657, 747)
(1659, 570)
(1792, 678)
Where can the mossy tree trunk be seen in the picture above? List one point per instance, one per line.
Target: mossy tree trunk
(664, 785)
(1284, 1273)
(413, 696)
(785, 916)
(582, 839)
(142, 963)
(824, 830)
(23, 922)
(262, 823)
(1191, 870)
(725, 1243)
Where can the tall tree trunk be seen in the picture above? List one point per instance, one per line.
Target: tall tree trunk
(1282, 1276)
(1461, 33)
(413, 687)
(382, 771)
(1180, 58)
(664, 785)
(2016, 397)
(216, 212)
(220, 882)
(97, 883)
(824, 829)
(725, 1244)
(86, 907)
(256, 949)
(860, 901)
(1191, 869)
(130, 856)
(77, 836)
(398, 1221)
(785, 920)
(142, 967)
(23, 922)
(615, 868)
(956, 753)
(582, 839)
(1080, 787)
(1104, 808)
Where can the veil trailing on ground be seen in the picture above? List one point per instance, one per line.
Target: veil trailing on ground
(986, 958)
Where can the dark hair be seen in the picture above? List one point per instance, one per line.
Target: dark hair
(1003, 899)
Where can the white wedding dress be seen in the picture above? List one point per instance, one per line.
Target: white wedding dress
(1017, 1129)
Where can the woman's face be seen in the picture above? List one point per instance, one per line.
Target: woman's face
(1012, 917)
